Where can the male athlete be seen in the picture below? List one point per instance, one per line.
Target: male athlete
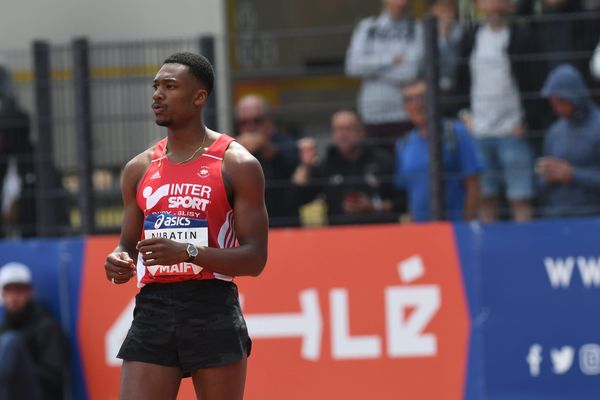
(196, 200)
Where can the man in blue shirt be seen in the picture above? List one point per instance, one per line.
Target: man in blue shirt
(462, 164)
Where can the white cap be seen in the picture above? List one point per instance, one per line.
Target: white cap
(14, 272)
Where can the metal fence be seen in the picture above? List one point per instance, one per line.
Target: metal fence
(89, 107)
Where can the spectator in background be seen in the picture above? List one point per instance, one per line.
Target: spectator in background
(498, 120)
(16, 164)
(570, 168)
(32, 345)
(276, 151)
(386, 52)
(449, 39)
(355, 179)
(461, 163)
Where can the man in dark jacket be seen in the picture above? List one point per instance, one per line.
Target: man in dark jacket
(275, 150)
(570, 168)
(355, 179)
(33, 355)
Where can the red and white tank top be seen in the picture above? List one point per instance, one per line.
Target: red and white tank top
(186, 203)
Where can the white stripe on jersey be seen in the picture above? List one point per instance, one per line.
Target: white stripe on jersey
(211, 156)
(226, 237)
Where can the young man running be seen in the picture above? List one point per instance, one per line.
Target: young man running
(194, 218)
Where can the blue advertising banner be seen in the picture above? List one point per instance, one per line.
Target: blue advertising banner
(56, 272)
(539, 290)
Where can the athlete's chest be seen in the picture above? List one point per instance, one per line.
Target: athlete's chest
(184, 191)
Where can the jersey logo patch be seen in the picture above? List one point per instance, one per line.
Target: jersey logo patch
(204, 172)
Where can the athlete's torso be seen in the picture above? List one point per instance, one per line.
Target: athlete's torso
(187, 203)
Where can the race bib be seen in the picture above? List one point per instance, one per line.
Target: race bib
(179, 229)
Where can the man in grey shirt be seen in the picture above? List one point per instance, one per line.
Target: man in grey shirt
(385, 52)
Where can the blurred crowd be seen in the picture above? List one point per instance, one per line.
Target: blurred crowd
(520, 127)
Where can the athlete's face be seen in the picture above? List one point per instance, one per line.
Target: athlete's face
(15, 297)
(178, 96)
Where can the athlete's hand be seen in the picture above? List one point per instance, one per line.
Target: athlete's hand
(119, 267)
(162, 251)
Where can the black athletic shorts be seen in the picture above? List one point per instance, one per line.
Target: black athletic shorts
(190, 325)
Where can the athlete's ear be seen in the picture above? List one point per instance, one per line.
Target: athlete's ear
(200, 97)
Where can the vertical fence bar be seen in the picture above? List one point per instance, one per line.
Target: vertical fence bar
(44, 148)
(207, 49)
(83, 126)
(434, 125)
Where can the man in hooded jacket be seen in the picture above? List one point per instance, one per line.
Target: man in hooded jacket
(570, 168)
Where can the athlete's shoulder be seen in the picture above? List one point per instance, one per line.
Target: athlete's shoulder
(241, 167)
(237, 154)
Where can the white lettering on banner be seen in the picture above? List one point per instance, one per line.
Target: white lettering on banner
(116, 334)
(589, 269)
(405, 335)
(405, 332)
(306, 324)
(344, 346)
(560, 271)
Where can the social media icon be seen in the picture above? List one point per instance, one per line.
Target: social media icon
(562, 359)
(589, 359)
(534, 359)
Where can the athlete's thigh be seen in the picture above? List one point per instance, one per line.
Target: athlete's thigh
(144, 381)
(225, 382)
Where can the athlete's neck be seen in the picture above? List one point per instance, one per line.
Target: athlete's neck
(184, 141)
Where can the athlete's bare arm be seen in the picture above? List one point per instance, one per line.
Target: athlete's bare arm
(245, 184)
(120, 264)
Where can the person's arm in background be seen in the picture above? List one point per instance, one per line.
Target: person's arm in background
(284, 156)
(470, 168)
(411, 61)
(595, 63)
(462, 88)
(305, 179)
(361, 59)
(392, 200)
(472, 197)
(555, 170)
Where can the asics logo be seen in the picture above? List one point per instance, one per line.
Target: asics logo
(171, 220)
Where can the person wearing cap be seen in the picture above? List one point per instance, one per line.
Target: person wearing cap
(33, 348)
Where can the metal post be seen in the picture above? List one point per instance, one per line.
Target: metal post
(434, 120)
(83, 124)
(44, 147)
(207, 49)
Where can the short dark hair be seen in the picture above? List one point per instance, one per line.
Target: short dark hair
(199, 66)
